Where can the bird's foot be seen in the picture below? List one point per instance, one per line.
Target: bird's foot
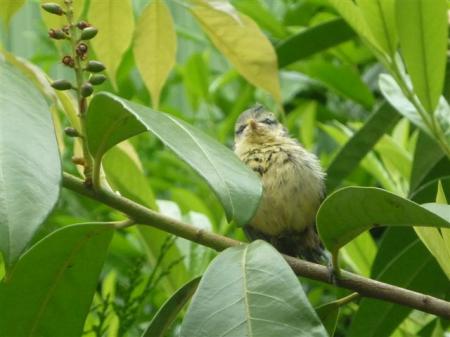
(334, 274)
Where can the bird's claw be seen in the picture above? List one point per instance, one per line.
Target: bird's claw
(334, 274)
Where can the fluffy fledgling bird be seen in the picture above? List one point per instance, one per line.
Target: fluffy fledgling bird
(293, 185)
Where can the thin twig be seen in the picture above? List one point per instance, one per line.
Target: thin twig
(362, 285)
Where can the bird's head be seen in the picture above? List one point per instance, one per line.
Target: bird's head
(257, 125)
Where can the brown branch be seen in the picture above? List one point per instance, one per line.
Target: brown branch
(364, 286)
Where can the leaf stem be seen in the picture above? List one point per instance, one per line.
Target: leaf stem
(364, 286)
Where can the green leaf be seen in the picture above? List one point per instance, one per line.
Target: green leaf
(313, 40)
(30, 169)
(155, 47)
(360, 144)
(352, 210)
(380, 17)
(355, 18)
(329, 315)
(343, 79)
(168, 312)
(236, 186)
(57, 277)
(394, 95)
(259, 295)
(241, 41)
(115, 23)
(426, 155)
(422, 28)
(405, 262)
(9, 8)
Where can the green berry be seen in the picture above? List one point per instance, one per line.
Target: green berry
(62, 85)
(86, 90)
(94, 67)
(88, 33)
(97, 79)
(56, 34)
(52, 8)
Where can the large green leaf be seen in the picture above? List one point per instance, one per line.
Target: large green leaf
(51, 287)
(258, 295)
(360, 144)
(115, 22)
(313, 40)
(155, 47)
(353, 14)
(241, 41)
(30, 169)
(422, 27)
(380, 16)
(403, 261)
(168, 312)
(112, 119)
(352, 210)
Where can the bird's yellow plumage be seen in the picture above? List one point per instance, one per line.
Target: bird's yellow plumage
(292, 180)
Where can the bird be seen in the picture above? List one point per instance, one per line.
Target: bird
(292, 181)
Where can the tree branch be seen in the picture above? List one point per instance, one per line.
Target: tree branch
(364, 286)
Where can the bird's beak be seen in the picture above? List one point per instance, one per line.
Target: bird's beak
(252, 123)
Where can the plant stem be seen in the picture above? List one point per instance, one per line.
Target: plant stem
(82, 103)
(97, 164)
(364, 286)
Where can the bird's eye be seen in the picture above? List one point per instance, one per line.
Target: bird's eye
(269, 121)
(241, 129)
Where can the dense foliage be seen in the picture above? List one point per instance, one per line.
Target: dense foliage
(364, 84)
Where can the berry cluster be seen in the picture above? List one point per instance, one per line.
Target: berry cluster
(78, 34)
